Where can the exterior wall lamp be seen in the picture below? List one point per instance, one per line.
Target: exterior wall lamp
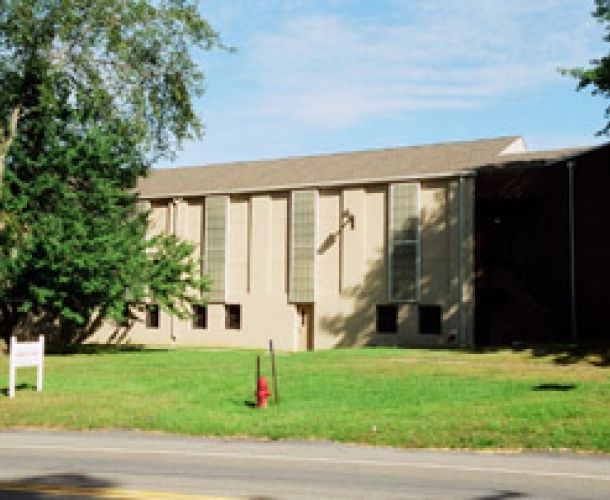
(348, 218)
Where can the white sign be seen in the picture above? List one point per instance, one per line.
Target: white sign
(26, 354)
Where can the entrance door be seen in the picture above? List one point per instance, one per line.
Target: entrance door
(305, 327)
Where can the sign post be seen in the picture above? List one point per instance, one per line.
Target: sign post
(26, 354)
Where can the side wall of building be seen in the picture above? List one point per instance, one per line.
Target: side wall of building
(351, 270)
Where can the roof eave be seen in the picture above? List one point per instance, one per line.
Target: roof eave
(310, 185)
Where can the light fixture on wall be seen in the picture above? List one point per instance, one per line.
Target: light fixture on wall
(348, 218)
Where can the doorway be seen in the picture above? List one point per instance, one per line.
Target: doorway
(305, 327)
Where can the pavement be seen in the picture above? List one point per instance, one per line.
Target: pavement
(44, 465)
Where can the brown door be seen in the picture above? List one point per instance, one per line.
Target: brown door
(305, 327)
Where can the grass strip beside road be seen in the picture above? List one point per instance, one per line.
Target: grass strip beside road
(397, 397)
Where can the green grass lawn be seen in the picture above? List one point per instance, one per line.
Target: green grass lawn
(398, 397)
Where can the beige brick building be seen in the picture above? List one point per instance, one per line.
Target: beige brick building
(350, 249)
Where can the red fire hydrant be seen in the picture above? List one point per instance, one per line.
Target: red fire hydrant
(262, 393)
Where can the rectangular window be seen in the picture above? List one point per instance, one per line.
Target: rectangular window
(200, 317)
(303, 246)
(152, 316)
(403, 242)
(233, 317)
(430, 320)
(387, 318)
(216, 227)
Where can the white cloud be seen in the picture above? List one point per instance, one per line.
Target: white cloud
(333, 71)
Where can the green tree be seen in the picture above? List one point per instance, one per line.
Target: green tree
(92, 92)
(598, 75)
(135, 56)
(84, 256)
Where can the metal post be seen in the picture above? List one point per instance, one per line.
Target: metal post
(11, 373)
(39, 371)
(258, 376)
(461, 222)
(173, 215)
(273, 372)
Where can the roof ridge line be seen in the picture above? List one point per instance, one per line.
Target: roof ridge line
(339, 153)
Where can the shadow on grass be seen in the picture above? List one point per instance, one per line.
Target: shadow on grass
(19, 387)
(596, 354)
(560, 354)
(55, 486)
(68, 349)
(554, 387)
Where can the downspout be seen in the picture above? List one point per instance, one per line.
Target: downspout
(462, 235)
(571, 232)
(173, 230)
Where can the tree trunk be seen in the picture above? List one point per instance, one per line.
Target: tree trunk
(8, 323)
(7, 138)
(68, 331)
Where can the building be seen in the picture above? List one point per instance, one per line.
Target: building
(452, 244)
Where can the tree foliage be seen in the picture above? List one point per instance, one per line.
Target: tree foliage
(91, 93)
(84, 255)
(598, 75)
(135, 56)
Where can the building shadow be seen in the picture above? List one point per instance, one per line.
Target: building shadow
(503, 495)
(93, 349)
(438, 281)
(595, 354)
(53, 486)
(520, 281)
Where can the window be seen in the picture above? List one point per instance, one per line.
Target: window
(302, 246)
(403, 243)
(233, 317)
(387, 319)
(200, 317)
(216, 225)
(152, 316)
(430, 320)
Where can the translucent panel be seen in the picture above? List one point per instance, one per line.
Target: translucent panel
(403, 270)
(404, 242)
(215, 244)
(404, 216)
(303, 246)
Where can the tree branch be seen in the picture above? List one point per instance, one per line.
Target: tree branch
(7, 139)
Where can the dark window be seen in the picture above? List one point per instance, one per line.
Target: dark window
(232, 316)
(430, 322)
(387, 319)
(200, 317)
(152, 316)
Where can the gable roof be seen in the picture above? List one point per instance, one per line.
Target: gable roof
(428, 161)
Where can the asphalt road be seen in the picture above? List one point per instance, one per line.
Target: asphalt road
(45, 465)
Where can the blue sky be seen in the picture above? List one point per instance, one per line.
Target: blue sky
(322, 76)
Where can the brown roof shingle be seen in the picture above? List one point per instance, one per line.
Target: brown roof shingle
(341, 168)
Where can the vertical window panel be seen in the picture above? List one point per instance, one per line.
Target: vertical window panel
(387, 318)
(200, 317)
(233, 317)
(403, 243)
(152, 316)
(303, 246)
(216, 226)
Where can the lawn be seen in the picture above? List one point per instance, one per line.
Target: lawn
(398, 397)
